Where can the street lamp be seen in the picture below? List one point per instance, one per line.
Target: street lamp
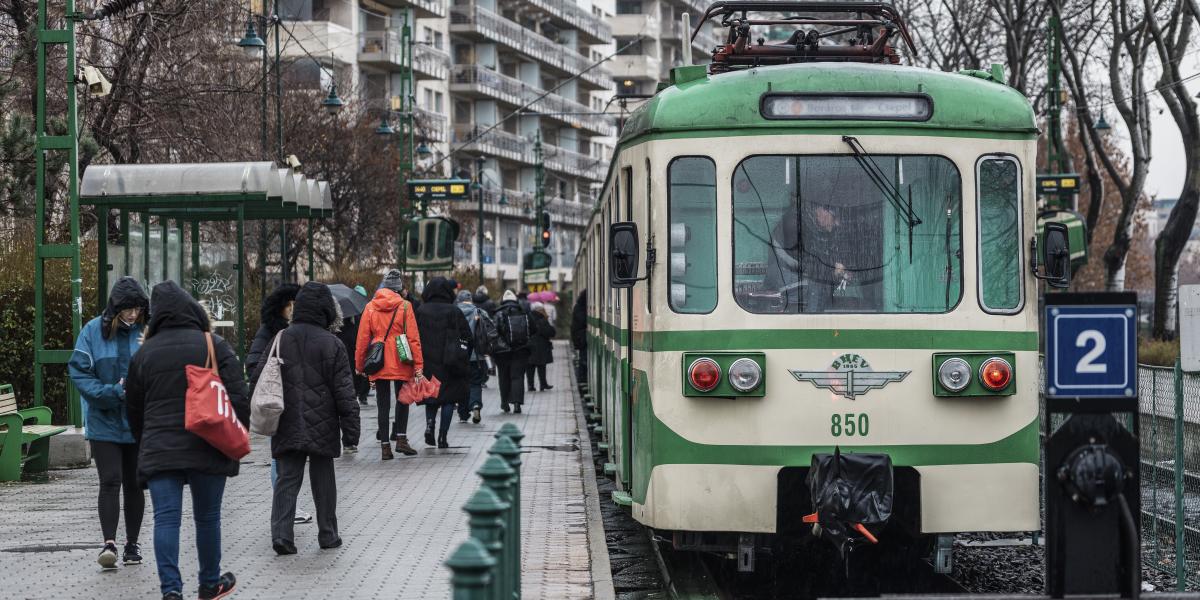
(423, 150)
(1101, 124)
(385, 127)
(250, 43)
(332, 103)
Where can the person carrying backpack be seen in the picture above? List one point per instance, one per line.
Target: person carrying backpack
(483, 334)
(512, 355)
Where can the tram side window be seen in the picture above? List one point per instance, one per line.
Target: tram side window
(692, 216)
(999, 181)
(815, 234)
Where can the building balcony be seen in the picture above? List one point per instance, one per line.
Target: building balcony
(591, 29)
(484, 25)
(430, 125)
(637, 66)
(573, 163)
(631, 26)
(381, 49)
(422, 9)
(322, 39)
(518, 205)
(477, 81)
(496, 142)
(430, 63)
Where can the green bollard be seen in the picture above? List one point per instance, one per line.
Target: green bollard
(506, 449)
(497, 476)
(486, 510)
(512, 432)
(470, 565)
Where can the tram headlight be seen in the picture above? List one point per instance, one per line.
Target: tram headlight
(954, 374)
(745, 374)
(704, 374)
(995, 373)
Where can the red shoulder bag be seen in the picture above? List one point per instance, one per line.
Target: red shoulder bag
(209, 413)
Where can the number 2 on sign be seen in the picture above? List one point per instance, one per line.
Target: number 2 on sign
(849, 425)
(1088, 364)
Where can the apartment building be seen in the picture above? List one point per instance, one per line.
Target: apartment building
(490, 78)
(651, 40)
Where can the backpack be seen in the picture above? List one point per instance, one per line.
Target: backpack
(485, 334)
(514, 328)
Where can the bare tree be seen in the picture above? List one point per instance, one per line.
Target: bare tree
(1127, 25)
(1171, 38)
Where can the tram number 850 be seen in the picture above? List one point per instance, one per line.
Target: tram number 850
(849, 425)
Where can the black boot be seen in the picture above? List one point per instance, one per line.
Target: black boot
(429, 433)
(442, 443)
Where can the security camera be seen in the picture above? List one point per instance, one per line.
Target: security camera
(97, 85)
(293, 163)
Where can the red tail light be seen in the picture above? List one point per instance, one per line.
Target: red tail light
(995, 374)
(704, 374)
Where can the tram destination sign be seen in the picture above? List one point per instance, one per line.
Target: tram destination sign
(439, 189)
(1091, 346)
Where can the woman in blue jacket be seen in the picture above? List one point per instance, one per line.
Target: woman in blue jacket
(98, 368)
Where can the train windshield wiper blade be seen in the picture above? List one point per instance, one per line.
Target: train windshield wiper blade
(886, 187)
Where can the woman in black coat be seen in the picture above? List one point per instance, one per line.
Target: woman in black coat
(274, 315)
(170, 455)
(541, 350)
(446, 344)
(319, 411)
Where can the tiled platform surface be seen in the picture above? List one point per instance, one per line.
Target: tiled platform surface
(399, 519)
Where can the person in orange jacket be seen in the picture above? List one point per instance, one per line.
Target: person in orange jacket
(387, 316)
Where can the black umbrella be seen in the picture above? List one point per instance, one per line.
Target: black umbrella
(352, 302)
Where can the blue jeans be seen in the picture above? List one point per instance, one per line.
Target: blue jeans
(477, 378)
(166, 490)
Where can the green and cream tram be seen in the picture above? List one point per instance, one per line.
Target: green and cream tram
(788, 259)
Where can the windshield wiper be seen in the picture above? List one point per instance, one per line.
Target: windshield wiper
(885, 187)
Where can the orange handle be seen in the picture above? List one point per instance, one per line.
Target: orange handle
(866, 533)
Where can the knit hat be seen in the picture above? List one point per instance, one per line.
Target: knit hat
(394, 280)
(508, 295)
(464, 296)
(537, 306)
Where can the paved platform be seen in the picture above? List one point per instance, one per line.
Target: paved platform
(399, 519)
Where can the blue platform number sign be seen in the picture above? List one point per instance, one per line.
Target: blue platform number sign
(1091, 351)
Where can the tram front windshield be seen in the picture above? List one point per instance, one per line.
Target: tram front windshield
(819, 234)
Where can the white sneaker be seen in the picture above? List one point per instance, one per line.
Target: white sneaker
(302, 517)
(350, 450)
(108, 557)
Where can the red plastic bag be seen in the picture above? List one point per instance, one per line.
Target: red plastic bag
(420, 389)
(209, 413)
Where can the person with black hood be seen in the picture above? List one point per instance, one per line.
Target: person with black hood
(98, 367)
(579, 335)
(512, 322)
(446, 343)
(541, 348)
(170, 456)
(319, 412)
(274, 316)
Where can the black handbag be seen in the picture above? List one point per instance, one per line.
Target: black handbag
(374, 361)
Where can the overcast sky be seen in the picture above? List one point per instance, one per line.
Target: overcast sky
(1166, 165)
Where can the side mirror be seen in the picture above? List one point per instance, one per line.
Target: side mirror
(1056, 256)
(623, 257)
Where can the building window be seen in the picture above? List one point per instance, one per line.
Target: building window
(438, 97)
(629, 7)
(438, 40)
(628, 46)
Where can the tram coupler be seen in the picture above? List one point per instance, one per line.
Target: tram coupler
(851, 495)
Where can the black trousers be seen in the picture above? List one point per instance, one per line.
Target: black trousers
(117, 465)
(386, 392)
(287, 488)
(362, 387)
(541, 375)
(510, 376)
(431, 415)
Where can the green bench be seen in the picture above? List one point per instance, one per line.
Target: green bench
(24, 437)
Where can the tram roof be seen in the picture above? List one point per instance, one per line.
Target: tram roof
(964, 104)
(199, 189)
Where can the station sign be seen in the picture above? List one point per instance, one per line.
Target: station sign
(1091, 345)
(1063, 183)
(439, 189)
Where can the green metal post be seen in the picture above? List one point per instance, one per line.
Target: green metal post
(44, 251)
(145, 219)
(241, 280)
(311, 269)
(510, 431)
(284, 271)
(497, 476)
(182, 271)
(470, 565)
(506, 449)
(125, 240)
(195, 254)
(539, 178)
(101, 256)
(486, 510)
(1180, 546)
(166, 247)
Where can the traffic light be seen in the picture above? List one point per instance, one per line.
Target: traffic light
(544, 228)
